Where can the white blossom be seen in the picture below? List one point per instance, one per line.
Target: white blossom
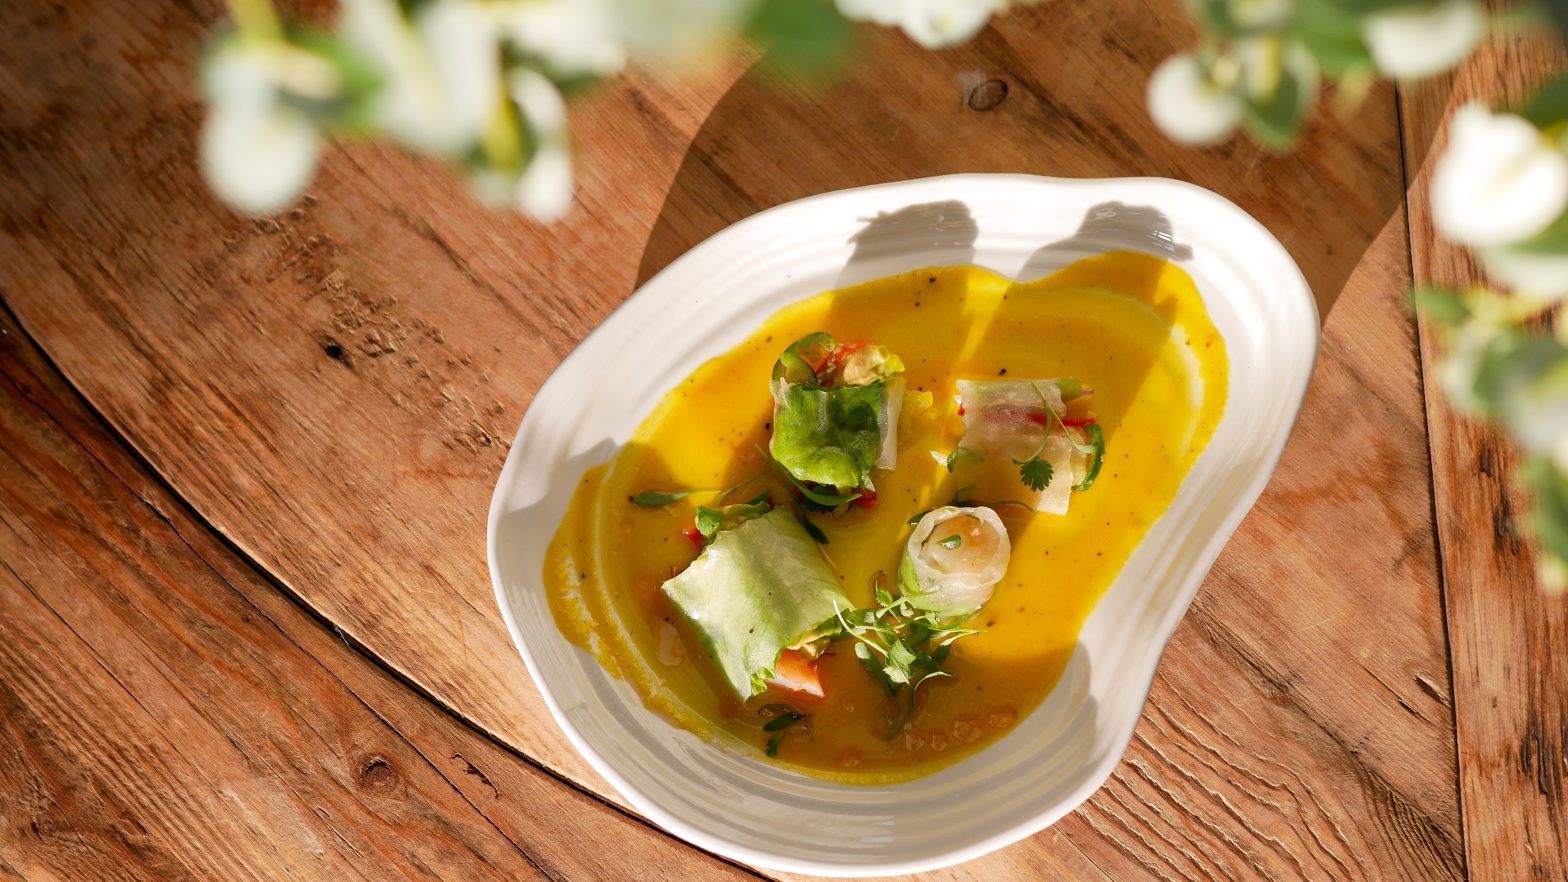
(1188, 106)
(1538, 273)
(931, 23)
(571, 37)
(674, 30)
(1499, 182)
(545, 189)
(1421, 40)
(879, 12)
(1540, 416)
(1262, 14)
(257, 151)
(441, 73)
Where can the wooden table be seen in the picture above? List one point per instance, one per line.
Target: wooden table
(246, 630)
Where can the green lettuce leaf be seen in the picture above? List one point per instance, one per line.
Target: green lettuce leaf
(758, 590)
(828, 436)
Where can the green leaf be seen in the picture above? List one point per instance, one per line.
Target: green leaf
(1551, 505)
(873, 665)
(915, 518)
(1275, 120)
(817, 497)
(814, 531)
(1096, 437)
(952, 541)
(1036, 473)
(1333, 36)
(899, 660)
(709, 522)
(773, 744)
(801, 36)
(661, 497)
(1215, 15)
(1443, 305)
(1549, 106)
(830, 437)
(784, 720)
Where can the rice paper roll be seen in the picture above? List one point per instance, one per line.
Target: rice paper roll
(1005, 421)
(953, 560)
(755, 591)
(835, 411)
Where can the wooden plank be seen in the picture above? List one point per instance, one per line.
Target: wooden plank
(334, 389)
(166, 714)
(1509, 639)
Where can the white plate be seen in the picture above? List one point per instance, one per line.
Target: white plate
(732, 802)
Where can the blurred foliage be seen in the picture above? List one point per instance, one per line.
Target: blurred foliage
(483, 83)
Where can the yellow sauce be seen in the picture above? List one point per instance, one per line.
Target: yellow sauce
(1131, 327)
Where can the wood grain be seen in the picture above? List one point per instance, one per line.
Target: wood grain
(166, 714)
(1509, 639)
(334, 389)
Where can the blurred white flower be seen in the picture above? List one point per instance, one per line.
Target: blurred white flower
(257, 151)
(1538, 273)
(1423, 39)
(545, 189)
(571, 37)
(258, 162)
(931, 23)
(1500, 181)
(675, 30)
(1262, 14)
(1188, 106)
(441, 72)
(1539, 416)
(879, 12)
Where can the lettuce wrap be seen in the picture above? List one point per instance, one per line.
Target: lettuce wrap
(835, 411)
(757, 590)
(1016, 445)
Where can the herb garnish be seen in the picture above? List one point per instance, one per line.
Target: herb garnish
(661, 497)
(952, 541)
(656, 498)
(711, 520)
(1036, 472)
(786, 717)
(902, 647)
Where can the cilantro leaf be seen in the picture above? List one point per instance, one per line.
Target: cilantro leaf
(900, 659)
(1036, 473)
(785, 717)
(661, 497)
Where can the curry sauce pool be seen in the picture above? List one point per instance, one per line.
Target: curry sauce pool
(1130, 326)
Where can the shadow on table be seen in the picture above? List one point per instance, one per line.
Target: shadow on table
(902, 112)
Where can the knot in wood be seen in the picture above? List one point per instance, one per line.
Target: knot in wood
(377, 775)
(987, 95)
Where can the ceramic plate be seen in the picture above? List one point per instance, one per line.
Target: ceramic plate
(729, 800)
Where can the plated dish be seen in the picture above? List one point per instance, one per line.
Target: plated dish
(791, 813)
(862, 541)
